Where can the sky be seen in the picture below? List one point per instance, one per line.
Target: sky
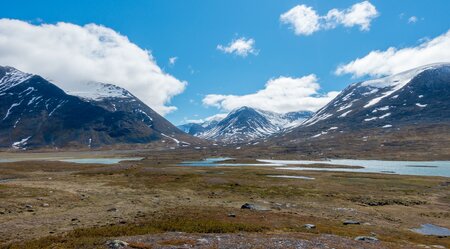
(190, 60)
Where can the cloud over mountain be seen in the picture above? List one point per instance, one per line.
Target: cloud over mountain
(280, 95)
(69, 54)
(394, 60)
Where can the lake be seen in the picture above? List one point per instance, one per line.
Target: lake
(75, 160)
(421, 168)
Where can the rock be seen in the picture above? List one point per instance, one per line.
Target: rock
(309, 226)
(248, 206)
(112, 210)
(231, 215)
(45, 205)
(366, 238)
(202, 241)
(116, 244)
(28, 206)
(351, 222)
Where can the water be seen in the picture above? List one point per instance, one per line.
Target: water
(430, 229)
(100, 160)
(7, 180)
(292, 177)
(420, 168)
(214, 162)
(75, 160)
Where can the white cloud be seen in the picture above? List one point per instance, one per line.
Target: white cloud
(240, 46)
(360, 14)
(281, 95)
(173, 60)
(412, 19)
(305, 20)
(69, 54)
(215, 117)
(393, 60)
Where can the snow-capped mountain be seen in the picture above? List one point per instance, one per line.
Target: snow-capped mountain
(246, 124)
(35, 113)
(416, 97)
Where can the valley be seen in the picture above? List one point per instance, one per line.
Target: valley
(142, 203)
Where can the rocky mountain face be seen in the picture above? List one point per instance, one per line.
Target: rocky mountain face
(34, 113)
(411, 106)
(246, 124)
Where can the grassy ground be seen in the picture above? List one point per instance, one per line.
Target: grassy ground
(64, 205)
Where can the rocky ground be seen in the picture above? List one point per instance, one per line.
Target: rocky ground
(154, 203)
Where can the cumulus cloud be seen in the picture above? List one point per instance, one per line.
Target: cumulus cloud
(241, 46)
(281, 95)
(304, 20)
(393, 60)
(70, 55)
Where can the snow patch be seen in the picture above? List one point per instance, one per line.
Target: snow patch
(174, 139)
(384, 108)
(370, 119)
(10, 108)
(21, 144)
(344, 114)
(421, 105)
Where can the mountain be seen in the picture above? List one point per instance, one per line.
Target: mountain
(34, 113)
(246, 124)
(197, 128)
(408, 109)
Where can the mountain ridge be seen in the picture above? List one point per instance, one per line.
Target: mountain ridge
(38, 114)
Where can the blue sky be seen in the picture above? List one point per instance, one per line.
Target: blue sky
(192, 30)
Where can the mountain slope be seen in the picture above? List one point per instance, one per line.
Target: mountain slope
(246, 124)
(35, 113)
(409, 110)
